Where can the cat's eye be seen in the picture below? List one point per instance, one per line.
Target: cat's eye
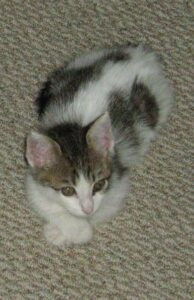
(99, 185)
(68, 191)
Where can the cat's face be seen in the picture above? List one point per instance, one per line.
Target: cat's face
(79, 173)
(84, 197)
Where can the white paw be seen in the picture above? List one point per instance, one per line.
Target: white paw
(83, 235)
(53, 234)
(64, 236)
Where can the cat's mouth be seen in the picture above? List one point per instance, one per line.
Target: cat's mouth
(82, 213)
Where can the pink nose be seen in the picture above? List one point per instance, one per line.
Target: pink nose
(87, 210)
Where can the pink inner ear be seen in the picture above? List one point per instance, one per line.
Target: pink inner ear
(105, 139)
(39, 151)
(104, 132)
(100, 134)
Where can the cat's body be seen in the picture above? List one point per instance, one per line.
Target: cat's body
(97, 118)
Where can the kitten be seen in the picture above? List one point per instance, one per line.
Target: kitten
(97, 118)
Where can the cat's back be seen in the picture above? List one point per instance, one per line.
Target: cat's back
(83, 90)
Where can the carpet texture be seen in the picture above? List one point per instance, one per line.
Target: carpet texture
(147, 252)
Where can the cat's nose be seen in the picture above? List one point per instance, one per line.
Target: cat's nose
(88, 209)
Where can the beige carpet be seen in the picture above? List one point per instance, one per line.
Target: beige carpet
(147, 252)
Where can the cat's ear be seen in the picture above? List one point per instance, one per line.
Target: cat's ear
(41, 151)
(99, 136)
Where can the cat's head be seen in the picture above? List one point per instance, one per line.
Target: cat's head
(75, 162)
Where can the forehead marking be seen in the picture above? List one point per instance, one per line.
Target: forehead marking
(84, 187)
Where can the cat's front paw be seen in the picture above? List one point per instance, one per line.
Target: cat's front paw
(84, 234)
(53, 234)
(64, 236)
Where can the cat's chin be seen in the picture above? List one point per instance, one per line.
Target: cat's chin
(80, 213)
